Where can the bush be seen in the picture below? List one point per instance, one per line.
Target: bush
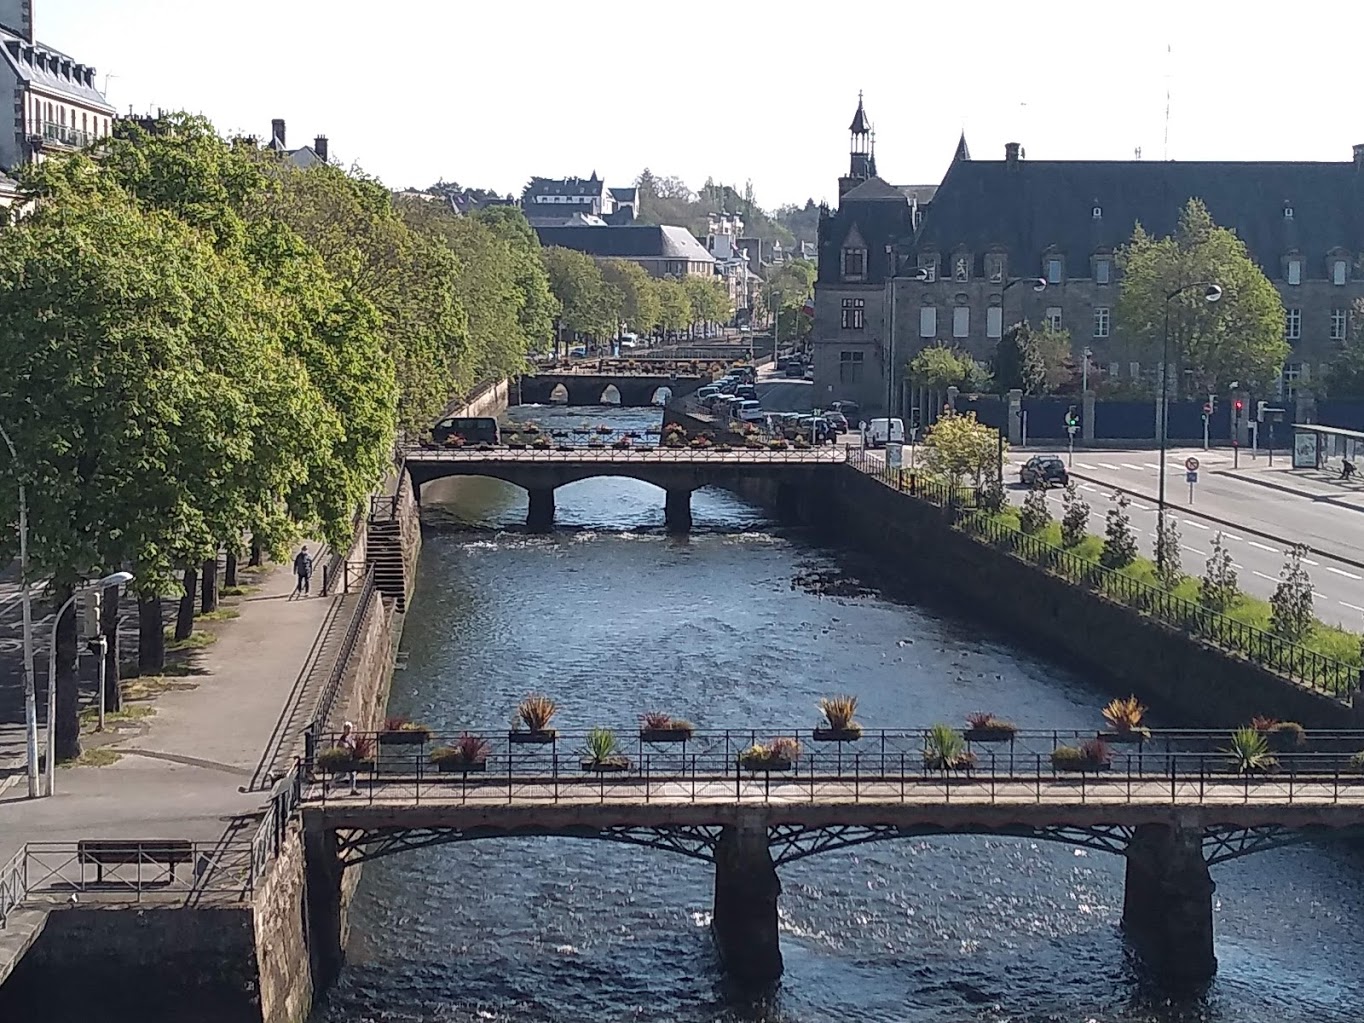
(1120, 543)
(1034, 516)
(1217, 589)
(1292, 616)
(1075, 521)
(1168, 569)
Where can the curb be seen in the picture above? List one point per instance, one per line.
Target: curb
(1239, 527)
(1321, 498)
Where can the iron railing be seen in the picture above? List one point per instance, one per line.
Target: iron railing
(326, 699)
(68, 136)
(13, 887)
(1335, 678)
(644, 454)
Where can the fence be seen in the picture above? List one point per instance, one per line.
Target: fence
(1284, 657)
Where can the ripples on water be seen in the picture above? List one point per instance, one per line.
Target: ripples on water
(612, 617)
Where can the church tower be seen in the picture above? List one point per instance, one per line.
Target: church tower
(862, 151)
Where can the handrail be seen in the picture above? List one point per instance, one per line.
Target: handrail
(13, 885)
(642, 454)
(327, 698)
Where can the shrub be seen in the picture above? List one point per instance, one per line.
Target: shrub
(1120, 543)
(535, 711)
(1096, 752)
(1034, 516)
(601, 745)
(657, 721)
(763, 755)
(1169, 572)
(1291, 605)
(1357, 761)
(838, 712)
(945, 749)
(467, 749)
(983, 722)
(1125, 715)
(1075, 521)
(1218, 588)
(1249, 752)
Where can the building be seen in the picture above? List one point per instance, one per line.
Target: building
(663, 251)
(733, 261)
(55, 99)
(556, 202)
(308, 156)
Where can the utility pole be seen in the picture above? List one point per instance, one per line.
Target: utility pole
(30, 690)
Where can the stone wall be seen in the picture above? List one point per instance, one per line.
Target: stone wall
(283, 964)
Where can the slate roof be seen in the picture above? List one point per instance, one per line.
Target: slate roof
(629, 195)
(75, 87)
(1031, 205)
(860, 123)
(873, 190)
(880, 214)
(637, 241)
(585, 187)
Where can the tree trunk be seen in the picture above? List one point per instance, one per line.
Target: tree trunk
(208, 586)
(184, 619)
(108, 625)
(230, 569)
(256, 554)
(67, 719)
(151, 635)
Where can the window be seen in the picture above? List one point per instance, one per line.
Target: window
(854, 314)
(1102, 319)
(994, 321)
(961, 268)
(1054, 317)
(994, 268)
(1295, 271)
(1097, 213)
(1115, 370)
(929, 265)
(854, 262)
(1288, 213)
(1340, 323)
(849, 367)
(1055, 269)
(1103, 270)
(961, 321)
(1288, 383)
(1292, 326)
(1339, 271)
(928, 321)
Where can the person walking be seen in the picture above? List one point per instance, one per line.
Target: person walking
(347, 742)
(303, 572)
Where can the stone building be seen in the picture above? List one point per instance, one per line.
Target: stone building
(662, 251)
(555, 202)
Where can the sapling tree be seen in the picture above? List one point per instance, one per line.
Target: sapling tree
(1034, 515)
(1218, 588)
(1291, 616)
(1120, 543)
(1075, 521)
(1168, 569)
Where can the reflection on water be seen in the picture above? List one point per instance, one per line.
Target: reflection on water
(612, 618)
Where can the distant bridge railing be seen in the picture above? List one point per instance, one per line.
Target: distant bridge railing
(1292, 660)
(661, 454)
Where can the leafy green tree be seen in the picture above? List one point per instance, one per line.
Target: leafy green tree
(538, 307)
(1345, 374)
(939, 367)
(589, 306)
(957, 446)
(1169, 571)
(1291, 614)
(1120, 543)
(1075, 521)
(1218, 588)
(674, 307)
(789, 285)
(1034, 516)
(641, 307)
(709, 301)
(1018, 361)
(1060, 374)
(1239, 338)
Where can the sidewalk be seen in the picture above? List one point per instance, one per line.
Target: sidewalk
(184, 772)
(1324, 485)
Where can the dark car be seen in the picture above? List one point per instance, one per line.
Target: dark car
(1047, 469)
(837, 421)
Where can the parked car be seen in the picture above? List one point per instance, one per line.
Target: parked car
(852, 411)
(746, 391)
(816, 430)
(837, 421)
(877, 433)
(749, 411)
(1046, 469)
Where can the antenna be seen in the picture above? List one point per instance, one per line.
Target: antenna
(1169, 61)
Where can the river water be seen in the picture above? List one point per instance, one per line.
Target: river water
(612, 617)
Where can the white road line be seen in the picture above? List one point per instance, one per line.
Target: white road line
(1141, 507)
(1318, 596)
(1084, 465)
(1109, 465)
(1196, 525)
(1352, 607)
(1150, 465)
(1193, 550)
(1263, 576)
(1230, 536)
(1263, 546)
(1309, 561)
(1341, 571)
(1129, 465)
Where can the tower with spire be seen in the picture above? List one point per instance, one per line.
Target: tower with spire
(862, 151)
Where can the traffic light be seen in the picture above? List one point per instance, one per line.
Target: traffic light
(1237, 406)
(1212, 403)
(1260, 407)
(1072, 417)
(94, 604)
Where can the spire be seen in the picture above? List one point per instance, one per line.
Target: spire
(962, 153)
(860, 124)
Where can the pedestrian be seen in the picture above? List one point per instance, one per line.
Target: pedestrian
(347, 742)
(303, 572)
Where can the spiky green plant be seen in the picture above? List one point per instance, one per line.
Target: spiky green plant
(601, 745)
(945, 748)
(838, 711)
(1249, 752)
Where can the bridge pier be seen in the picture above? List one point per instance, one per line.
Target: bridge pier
(325, 899)
(677, 511)
(744, 923)
(540, 518)
(1167, 904)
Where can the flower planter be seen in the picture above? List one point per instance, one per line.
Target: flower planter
(457, 767)
(404, 737)
(764, 765)
(541, 737)
(664, 734)
(837, 734)
(611, 765)
(988, 734)
(1121, 738)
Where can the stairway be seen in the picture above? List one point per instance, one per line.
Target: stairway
(385, 547)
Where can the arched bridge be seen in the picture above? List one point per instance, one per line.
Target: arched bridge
(677, 471)
(631, 390)
(1173, 805)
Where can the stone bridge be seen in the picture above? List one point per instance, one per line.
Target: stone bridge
(676, 471)
(632, 391)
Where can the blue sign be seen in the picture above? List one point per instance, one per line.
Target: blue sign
(1191, 477)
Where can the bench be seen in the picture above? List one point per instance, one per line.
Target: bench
(105, 852)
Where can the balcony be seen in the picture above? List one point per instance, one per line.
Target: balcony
(52, 133)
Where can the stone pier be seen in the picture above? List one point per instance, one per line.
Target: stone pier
(326, 901)
(540, 517)
(677, 511)
(744, 923)
(1167, 904)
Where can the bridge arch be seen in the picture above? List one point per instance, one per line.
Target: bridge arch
(559, 395)
(610, 395)
(661, 396)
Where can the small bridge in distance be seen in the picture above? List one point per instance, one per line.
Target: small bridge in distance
(632, 390)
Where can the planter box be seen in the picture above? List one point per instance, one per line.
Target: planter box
(1122, 738)
(988, 735)
(611, 765)
(404, 737)
(765, 765)
(664, 735)
(454, 767)
(837, 734)
(547, 735)
(1078, 767)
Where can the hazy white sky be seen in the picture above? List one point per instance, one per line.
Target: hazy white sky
(488, 94)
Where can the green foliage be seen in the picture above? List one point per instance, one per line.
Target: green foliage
(1060, 373)
(589, 305)
(1120, 543)
(601, 745)
(1249, 752)
(669, 200)
(1345, 374)
(1168, 568)
(1240, 338)
(957, 446)
(1219, 586)
(674, 307)
(1292, 616)
(945, 749)
(789, 285)
(1035, 514)
(708, 299)
(642, 307)
(1075, 521)
(939, 367)
(1018, 361)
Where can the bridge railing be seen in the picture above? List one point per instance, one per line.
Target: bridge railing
(713, 454)
(13, 886)
(1284, 657)
(882, 764)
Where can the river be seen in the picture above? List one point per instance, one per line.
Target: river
(612, 617)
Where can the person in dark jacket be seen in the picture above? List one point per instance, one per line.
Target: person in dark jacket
(303, 572)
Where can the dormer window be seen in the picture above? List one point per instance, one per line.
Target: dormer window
(1340, 272)
(854, 263)
(1287, 212)
(1294, 273)
(1055, 269)
(1103, 270)
(928, 263)
(961, 268)
(1097, 213)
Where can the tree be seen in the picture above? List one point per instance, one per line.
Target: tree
(1059, 372)
(1345, 374)
(1217, 590)
(1239, 338)
(588, 307)
(674, 308)
(1291, 614)
(1075, 521)
(1168, 569)
(537, 307)
(1120, 543)
(641, 307)
(788, 286)
(709, 301)
(1018, 361)
(939, 367)
(958, 446)
(1035, 515)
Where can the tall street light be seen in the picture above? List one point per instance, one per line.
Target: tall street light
(1039, 285)
(114, 579)
(30, 688)
(1211, 293)
(920, 275)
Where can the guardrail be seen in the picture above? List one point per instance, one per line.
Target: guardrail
(326, 700)
(1284, 657)
(13, 887)
(714, 453)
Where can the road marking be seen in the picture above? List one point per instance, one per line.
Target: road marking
(1263, 546)
(1352, 607)
(1193, 550)
(1150, 465)
(1088, 486)
(1319, 596)
(1263, 576)
(1140, 507)
(1196, 525)
(1129, 465)
(1230, 536)
(1084, 465)
(1109, 465)
(1309, 561)
(1341, 571)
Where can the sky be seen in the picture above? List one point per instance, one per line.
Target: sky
(488, 94)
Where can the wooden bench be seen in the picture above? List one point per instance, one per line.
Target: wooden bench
(104, 852)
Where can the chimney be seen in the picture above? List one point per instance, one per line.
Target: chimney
(320, 147)
(1359, 157)
(1012, 152)
(277, 130)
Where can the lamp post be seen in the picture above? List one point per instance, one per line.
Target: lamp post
(920, 275)
(30, 688)
(1211, 293)
(114, 579)
(1038, 285)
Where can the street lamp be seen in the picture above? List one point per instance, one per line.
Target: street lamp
(30, 688)
(1039, 285)
(920, 275)
(114, 579)
(1211, 293)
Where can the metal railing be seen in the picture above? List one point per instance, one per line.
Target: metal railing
(55, 132)
(884, 765)
(13, 886)
(326, 699)
(1292, 660)
(713, 454)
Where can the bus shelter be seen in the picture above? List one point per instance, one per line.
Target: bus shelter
(1326, 447)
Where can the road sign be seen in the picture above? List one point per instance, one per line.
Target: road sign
(1191, 476)
(1207, 408)
(1191, 463)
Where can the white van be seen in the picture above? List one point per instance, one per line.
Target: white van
(876, 433)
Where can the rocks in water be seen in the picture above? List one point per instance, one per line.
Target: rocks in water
(830, 583)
